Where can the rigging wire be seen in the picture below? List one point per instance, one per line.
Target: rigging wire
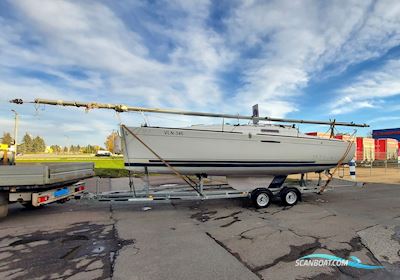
(330, 176)
(146, 121)
(118, 116)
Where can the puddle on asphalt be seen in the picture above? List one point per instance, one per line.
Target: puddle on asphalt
(98, 250)
(203, 216)
(79, 248)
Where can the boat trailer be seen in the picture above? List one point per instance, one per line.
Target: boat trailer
(289, 193)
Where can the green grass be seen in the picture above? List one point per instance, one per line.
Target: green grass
(104, 167)
(113, 163)
(111, 172)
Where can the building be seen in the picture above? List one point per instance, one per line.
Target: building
(365, 149)
(319, 134)
(393, 133)
(386, 149)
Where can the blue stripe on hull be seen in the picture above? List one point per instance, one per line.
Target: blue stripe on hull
(227, 161)
(230, 164)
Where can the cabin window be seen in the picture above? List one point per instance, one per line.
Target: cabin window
(270, 130)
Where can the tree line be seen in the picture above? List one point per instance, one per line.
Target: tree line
(36, 144)
(89, 149)
(32, 144)
(29, 143)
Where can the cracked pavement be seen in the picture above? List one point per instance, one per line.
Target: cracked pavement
(222, 239)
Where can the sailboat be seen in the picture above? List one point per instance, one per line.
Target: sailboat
(234, 150)
(253, 157)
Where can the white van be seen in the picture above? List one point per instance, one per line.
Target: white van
(101, 153)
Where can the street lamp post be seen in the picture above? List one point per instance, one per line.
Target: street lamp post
(15, 132)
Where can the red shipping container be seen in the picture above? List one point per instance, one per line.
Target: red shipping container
(344, 137)
(386, 149)
(319, 134)
(359, 149)
(380, 149)
(391, 149)
(365, 149)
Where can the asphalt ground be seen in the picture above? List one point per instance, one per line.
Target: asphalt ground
(219, 239)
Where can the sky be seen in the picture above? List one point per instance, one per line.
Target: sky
(315, 60)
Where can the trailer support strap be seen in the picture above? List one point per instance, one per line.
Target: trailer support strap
(337, 166)
(176, 172)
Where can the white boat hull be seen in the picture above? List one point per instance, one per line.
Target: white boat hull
(230, 153)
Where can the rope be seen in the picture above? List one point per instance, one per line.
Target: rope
(188, 181)
(131, 183)
(37, 107)
(322, 189)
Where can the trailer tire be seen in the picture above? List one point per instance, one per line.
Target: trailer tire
(261, 198)
(290, 196)
(3, 205)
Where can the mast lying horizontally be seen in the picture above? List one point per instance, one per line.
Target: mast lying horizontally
(125, 108)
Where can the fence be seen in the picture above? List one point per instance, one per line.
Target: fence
(377, 171)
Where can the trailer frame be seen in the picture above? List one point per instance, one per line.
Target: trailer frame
(200, 192)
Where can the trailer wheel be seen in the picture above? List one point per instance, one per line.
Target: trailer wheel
(290, 196)
(3, 205)
(261, 198)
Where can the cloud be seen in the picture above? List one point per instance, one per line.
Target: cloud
(88, 35)
(375, 32)
(283, 41)
(296, 42)
(384, 119)
(83, 51)
(193, 55)
(369, 89)
(351, 106)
